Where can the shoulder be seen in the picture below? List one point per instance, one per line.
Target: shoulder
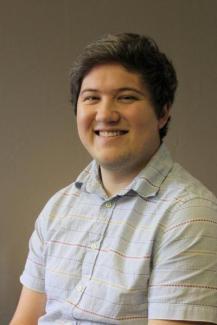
(65, 197)
(61, 198)
(183, 189)
(184, 201)
(53, 210)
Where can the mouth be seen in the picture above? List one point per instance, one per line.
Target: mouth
(109, 134)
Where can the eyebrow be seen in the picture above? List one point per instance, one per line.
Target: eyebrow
(116, 90)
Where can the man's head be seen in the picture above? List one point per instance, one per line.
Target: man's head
(138, 54)
(116, 120)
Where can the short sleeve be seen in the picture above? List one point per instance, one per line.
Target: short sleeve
(183, 282)
(33, 274)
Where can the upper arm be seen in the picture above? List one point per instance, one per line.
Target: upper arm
(183, 279)
(30, 307)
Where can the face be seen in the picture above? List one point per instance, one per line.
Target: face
(116, 120)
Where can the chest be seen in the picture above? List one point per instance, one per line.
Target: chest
(98, 258)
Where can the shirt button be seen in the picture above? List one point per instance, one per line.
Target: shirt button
(94, 245)
(108, 204)
(80, 288)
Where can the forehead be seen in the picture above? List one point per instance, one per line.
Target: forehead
(112, 75)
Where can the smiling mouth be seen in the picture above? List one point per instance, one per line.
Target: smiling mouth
(114, 133)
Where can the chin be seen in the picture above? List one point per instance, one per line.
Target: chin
(111, 164)
(116, 164)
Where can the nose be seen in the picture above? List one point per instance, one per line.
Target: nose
(107, 112)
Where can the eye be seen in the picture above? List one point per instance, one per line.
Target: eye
(127, 98)
(91, 99)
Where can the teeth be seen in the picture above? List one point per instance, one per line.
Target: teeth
(110, 133)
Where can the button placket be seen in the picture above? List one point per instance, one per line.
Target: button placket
(96, 237)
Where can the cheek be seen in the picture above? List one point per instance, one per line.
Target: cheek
(145, 123)
(82, 119)
(80, 125)
(84, 123)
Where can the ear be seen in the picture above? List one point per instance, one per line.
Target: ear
(165, 116)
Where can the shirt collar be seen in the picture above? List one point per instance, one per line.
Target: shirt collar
(89, 180)
(147, 183)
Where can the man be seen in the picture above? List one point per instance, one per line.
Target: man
(133, 239)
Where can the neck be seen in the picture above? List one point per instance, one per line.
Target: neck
(119, 176)
(114, 181)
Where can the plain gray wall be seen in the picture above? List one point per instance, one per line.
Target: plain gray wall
(40, 152)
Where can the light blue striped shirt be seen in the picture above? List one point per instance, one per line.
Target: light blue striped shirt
(149, 252)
